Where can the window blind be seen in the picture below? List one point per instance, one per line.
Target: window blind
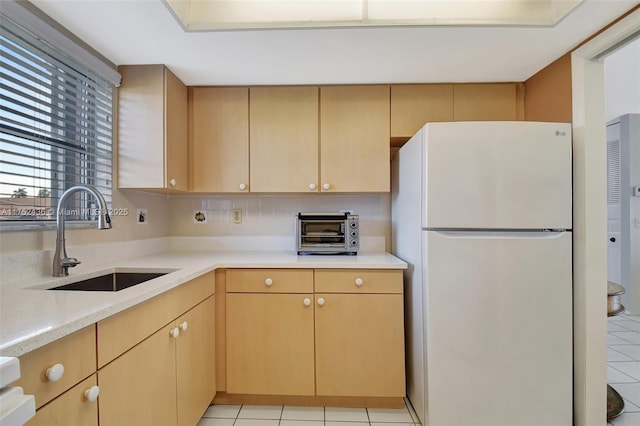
(55, 129)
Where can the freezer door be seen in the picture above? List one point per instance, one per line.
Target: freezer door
(497, 175)
(499, 339)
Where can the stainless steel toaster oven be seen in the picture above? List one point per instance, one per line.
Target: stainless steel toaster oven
(328, 233)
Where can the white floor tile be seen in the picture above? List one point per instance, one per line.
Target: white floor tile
(346, 414)
(303, 413)
(614, 353)
(617, 376)
(301, 423)
(630, 325)
(256, 422)
(629, 391)
(627, 419)
(222, 411)
(614, 340)
(630, 336)
(389, 415)
(630, 407)
(615, 326)
(631, 369)
(260, 412)
(630, 351)
(342, 423)
(209, 421)
(391, 424)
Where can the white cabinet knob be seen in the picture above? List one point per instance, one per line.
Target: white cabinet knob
(359, 282)
(172, 182)
(268, 282)
(92, 393)
(321, 301)
(307, 301)
(55, 372)
(312, 186)
(175, 332)
(242, 187)
(326, 186)
(184, 326)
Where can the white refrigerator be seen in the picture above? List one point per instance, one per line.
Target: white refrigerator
(481, 212)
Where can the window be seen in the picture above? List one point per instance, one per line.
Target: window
(55, 129)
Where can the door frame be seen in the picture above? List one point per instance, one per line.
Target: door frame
(590, 220)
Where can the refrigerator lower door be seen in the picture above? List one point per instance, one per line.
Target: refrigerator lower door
(498, 328)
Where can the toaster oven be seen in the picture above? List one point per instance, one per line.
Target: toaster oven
(328, 233)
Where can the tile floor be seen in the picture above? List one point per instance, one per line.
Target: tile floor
(623, 365)
(251, 415)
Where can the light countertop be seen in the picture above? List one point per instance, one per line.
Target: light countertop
(31, 316)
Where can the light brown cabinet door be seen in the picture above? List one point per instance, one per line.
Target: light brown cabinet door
(139, 388)
(414, 105)
(175, 120)
(195, 358)
(220, 139)
(270, 346)
(359, 345)
(485, 102)
(284, 139)
(354, 138)
(70, 408)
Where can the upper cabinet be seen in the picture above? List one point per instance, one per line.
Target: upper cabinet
(152, 129)
(488, 102)
(413, 105)
(219, 139)
(354, 138)
(284, 139)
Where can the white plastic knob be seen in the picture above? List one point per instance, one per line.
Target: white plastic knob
(359, 282)
(184, 326)
(242, 187)
(92, 393)
(55, 372)
(268, 282)
(307, 301)
(172, 182)
(312, 186)
(326, 186)
(320, 301)
(175, 332)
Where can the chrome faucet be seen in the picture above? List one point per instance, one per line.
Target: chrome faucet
(61, 262)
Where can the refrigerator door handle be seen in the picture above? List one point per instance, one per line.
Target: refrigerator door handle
(484, 234)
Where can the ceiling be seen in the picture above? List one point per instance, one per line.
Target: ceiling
(146, 32)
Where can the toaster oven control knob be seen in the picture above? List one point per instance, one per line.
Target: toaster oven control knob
(312, 186)
(359, 282)
(353, 225)
(354, 243)
(268, 282)
(242, 187)
(326, 186)
(321, 301)
(354, 234)
(307, 301)
(55, 372)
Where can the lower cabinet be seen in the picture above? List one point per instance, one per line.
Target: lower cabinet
(74, 407)
(167, 379)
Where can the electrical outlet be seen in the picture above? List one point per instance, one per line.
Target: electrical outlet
(237, 215)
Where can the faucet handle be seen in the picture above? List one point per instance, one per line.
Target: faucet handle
(70, 262)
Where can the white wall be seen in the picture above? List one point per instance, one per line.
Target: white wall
(622, 81)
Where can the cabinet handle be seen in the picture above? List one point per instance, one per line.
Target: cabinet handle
(92, 393)
(268, 282)
(359, 282)
(312, 186)
(307, 301)
(55, 372)
(321, 301)
(175, 332)
(326, 186)
(184, 326)
(172, 182)
(242, 187)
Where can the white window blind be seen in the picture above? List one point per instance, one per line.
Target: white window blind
(55, 129)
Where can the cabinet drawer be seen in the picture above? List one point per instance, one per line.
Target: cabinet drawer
(70, 408)
(77, 354)
(270, 281)
(358, 281)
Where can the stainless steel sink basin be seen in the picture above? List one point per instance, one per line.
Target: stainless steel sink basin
(114, 281)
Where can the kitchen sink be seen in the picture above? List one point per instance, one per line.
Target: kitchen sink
(114, 281)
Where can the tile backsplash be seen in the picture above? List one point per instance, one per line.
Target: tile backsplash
(273, 215)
